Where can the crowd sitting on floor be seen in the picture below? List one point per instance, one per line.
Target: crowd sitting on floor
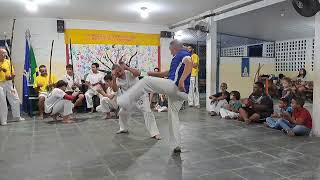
(61, 98)
(292, 119)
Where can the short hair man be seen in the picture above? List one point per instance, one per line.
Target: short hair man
(176, 87)
(94, 81)
(194, 80)
(124, 78)
(74, 84)
(41, 84)
(6, 76)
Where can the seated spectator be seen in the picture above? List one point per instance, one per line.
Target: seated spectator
(287, 91)
(278, 84)
(300, 123)
(231, 111)
(285, 113)
(219, 100)
(257, 107)
(108, 99)
(301, 83)
(154, 96)
(162, 106)
(42, 84)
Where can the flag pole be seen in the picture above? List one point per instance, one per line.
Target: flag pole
(9, 51)
(50, 66)
(70, 49)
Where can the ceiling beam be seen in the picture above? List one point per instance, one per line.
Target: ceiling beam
(248, 8)
(229, 10)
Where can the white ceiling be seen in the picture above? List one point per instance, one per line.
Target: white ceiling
(162, 12)
(262, 24)
(268, 24)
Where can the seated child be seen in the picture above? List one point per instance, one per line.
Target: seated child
(162, 106)
(287, 91)
(285, 112)
(300, 123)
(59, 103)
(108, 101)
(231, 111)
(219, 100)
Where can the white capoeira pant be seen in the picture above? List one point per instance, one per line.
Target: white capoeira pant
(89, 94)
(12, 96)
(106, 105)
(143, 105)
(226, 113)
(216, 106)
(3, 108)
(161, 86)
(193, 97)
(63, 107)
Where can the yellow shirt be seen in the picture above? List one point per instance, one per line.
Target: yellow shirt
(6, 65)
(195, 60)
(44, 81)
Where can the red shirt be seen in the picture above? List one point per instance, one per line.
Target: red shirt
(304, 114)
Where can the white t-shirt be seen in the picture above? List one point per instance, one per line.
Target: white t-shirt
(109, 91)
(55, 96)
(69, 80)
(127, 82)
(95, 78)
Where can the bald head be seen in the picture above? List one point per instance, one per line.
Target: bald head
(3, 54)
(175, 46)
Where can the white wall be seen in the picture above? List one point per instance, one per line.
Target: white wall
(44, 30)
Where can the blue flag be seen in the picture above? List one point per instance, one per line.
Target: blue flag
(26, 77)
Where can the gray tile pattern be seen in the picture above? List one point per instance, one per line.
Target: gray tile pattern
(212, 149)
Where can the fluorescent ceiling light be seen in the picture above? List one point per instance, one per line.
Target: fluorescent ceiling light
(31, 6)
(144, 12)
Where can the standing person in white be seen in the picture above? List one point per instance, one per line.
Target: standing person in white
(74, 83)
(175, 87)
(59, 103)
(3, 108)
(108, 101)
(194, 80)
(94, 81)
(10, 92)
(124, 78)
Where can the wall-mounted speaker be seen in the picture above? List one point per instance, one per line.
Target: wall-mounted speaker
(60, 26)
(166, 34)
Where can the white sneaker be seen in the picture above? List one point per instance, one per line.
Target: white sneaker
(3, 123)
(21, 119)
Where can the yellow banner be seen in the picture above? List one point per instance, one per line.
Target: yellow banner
(86, 36)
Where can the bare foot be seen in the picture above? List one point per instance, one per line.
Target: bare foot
(291, 133)
(40, 117)
(157, 137)
(247, 121)
(67, 121)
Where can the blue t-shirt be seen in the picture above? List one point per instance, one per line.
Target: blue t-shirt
(177, 68)
(288, 110)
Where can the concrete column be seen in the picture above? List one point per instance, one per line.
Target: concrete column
(165, 55)
(211, 65)
(316, 90)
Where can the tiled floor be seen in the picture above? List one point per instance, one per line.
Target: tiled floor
(212, 149)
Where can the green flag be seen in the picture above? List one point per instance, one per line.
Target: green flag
(33, 65)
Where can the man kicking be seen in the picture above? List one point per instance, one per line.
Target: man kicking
(175, 87)
(124, 78)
